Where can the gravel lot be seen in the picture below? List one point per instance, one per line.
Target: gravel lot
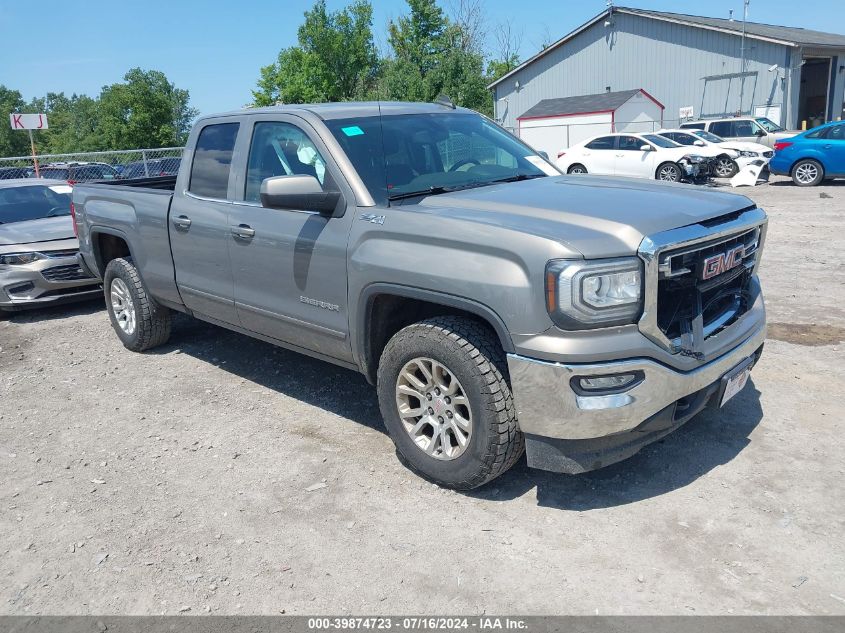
(222, 475)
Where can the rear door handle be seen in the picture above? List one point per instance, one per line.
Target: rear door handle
(182, 222)
(243, 231)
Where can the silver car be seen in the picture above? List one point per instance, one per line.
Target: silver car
(38, 247)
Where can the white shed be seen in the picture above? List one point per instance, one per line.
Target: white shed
(555, 124)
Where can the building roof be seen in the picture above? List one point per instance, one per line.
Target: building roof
(782, 34)
(584, 104)
(786, 35)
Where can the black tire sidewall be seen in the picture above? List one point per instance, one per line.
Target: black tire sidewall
(819, 179)
(466, 467)
(117, 268)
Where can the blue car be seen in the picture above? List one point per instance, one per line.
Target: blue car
(812, 156)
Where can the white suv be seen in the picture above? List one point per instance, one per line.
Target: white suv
(751, 129)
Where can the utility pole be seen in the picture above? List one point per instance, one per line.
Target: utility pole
(742, 55)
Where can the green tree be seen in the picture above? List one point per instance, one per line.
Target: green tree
(145, 111)
(74, 123)
(12, 142)
(335, 59)
(432, 56)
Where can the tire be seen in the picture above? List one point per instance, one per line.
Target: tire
(725, 167)
(668, 172)
(807, 173)
(475, 363)
(138, 320)
(577, 168)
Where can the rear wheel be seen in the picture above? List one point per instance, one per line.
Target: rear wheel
(577, 169)
(447, 404)
(138, 320)
(669, 172)
(807, 173)
(725, 167)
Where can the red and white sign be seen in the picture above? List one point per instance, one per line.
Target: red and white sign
(28, 121)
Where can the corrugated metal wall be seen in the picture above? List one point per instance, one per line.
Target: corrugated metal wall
(668, 60)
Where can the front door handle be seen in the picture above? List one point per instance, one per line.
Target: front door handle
(243, 231)
(182, 222)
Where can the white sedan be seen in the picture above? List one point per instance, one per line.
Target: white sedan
(736, 156)
(637, 155)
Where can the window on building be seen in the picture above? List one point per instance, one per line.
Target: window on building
(213, 160)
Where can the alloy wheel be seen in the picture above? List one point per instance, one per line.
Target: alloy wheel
(668, 173)
(724, 167)
(122, 306)
(806, 173)
(434, 408)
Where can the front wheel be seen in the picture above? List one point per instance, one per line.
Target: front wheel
(447, 404)
(725, 167)
(138, 320)
(669, 172)
(807, 173)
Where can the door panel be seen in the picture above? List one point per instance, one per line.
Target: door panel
(631, 160)
(199, 227)
(289, 267)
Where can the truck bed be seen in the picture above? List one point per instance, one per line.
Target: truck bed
(166, 183)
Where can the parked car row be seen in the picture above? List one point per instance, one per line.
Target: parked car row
(86, 171)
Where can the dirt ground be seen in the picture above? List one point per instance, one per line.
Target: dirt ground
(222, 475)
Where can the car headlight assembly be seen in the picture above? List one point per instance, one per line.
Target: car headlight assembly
(746, 154)
(20, 259)
(590, 294)
(694, 158)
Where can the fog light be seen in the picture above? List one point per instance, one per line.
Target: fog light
(612, 383)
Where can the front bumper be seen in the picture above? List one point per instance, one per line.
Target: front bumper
(557, 421)
(50, 281)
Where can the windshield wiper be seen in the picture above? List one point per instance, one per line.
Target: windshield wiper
(431, 191)
(517, 178)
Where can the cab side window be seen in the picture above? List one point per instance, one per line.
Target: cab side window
(213, 160)
(744, 128)
(603, 142)
(280, 149)
(631, 143)
(723, 129)
(683, 139)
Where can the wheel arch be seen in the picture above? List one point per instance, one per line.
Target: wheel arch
(385, 308)
(108, 244)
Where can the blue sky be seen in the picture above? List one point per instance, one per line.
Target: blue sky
(215, 48)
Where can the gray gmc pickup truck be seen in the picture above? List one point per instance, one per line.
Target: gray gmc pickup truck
(497, 305)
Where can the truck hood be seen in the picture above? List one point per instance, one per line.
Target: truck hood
(32, 231)
(592, 215)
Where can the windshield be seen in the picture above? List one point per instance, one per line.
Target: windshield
(708, 136)
(660, 141)
(400, 155)
(768, 124)
(33, 202)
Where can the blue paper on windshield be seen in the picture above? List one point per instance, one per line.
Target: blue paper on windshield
(352, 130)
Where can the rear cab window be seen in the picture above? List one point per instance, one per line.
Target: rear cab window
(212, 162)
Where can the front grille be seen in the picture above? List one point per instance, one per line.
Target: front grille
(689, 305)
(71, 272)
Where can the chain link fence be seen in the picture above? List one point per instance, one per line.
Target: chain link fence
(85, 166)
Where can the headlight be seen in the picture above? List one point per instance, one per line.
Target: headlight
(19, 259)
(693, 158)
(745, 154)
(598, 293)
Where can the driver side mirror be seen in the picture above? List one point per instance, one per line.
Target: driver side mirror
(760, 132)
(699, 143)
(646, 148)
(298, 192)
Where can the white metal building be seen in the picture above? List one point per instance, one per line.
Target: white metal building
(555, 124)
(702, 65)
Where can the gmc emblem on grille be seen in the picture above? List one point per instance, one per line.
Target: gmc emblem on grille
(723, 262)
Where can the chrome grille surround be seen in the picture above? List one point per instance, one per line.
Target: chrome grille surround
(658, 250)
